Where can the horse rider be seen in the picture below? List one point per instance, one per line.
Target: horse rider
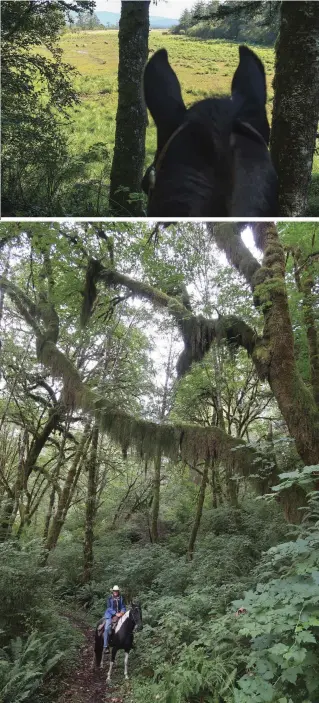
(115, 607)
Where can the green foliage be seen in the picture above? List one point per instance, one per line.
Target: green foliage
(283, 616)
(37, 92)
(24, 588)
(35, 640)
(88, 20)
(194, 648)
(256, 22)
(191, 646)
(25, 665)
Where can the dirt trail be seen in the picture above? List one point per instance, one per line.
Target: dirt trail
(85, 685)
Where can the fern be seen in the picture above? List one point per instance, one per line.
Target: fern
(25, 664)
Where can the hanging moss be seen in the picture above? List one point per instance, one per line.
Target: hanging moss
(90, 291)
(75, 393)
(190, 443)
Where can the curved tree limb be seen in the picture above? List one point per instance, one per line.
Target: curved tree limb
(227, 237)
(189, 442)
(197, 332)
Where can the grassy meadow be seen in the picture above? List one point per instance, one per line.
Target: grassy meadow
(204, 68)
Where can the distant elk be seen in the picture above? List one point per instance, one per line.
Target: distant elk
(212, 159)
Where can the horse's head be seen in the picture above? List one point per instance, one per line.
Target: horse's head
(136, 614)
(211, 159)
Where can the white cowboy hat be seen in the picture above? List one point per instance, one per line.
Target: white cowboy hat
(115, 588)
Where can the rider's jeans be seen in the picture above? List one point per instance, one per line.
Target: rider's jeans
(107, 631)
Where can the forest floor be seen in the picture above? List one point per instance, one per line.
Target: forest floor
(87, 685)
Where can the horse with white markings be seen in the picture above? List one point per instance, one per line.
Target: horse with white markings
(121, 637)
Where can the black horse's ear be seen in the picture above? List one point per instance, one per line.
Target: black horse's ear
(163, 96)
(249, 91)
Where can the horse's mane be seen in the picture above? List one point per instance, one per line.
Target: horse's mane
(122, 619)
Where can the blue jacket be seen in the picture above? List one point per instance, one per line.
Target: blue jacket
(114, 605)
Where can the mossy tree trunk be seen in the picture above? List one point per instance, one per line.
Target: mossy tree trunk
(296, 103)
(309, 313)
(199, 511)
(90, 507)
(158, 459)
(55, 490)
(68, 491)
(156, 497)
(131, 117)
(305, 278)
(294, 398)
(274, 352)
(25, 468)
(49, 512)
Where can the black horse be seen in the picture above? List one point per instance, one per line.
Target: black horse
(120, 638)
(211, 159)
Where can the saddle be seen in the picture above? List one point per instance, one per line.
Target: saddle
(114, 622)
(101, 626)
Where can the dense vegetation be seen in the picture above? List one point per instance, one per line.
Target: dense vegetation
(256, 23)
(94, 489)
(37, 92)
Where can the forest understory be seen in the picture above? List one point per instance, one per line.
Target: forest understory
(159, 430)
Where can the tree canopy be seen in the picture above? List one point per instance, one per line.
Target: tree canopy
(158, 428)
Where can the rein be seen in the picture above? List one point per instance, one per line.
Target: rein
(248, 130)
(157, 165)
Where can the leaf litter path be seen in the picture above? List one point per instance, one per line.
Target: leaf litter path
(87, 685)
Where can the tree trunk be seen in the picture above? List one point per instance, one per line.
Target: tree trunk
(156, 497)
(273, 354)
(214, 487)
(293, 502)
(199, 512)
(276, 353)
(158, 459)
(231, 487)
(25, 469)
(90, 508)
(67, 492)
(296, 104)
(309, 315)
(49, 514)
(131, 117)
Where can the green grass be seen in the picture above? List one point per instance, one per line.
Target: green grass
(204, 68)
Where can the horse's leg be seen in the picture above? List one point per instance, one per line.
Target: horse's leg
(98, 649)
(126, 655)
(112, 660)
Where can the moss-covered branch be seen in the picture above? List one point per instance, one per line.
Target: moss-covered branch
(197, 332)
(23, 303)
(190, 443)
(227, 237)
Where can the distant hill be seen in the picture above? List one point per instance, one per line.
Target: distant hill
(113, 18)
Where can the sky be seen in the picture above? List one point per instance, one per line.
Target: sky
(171, 8)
